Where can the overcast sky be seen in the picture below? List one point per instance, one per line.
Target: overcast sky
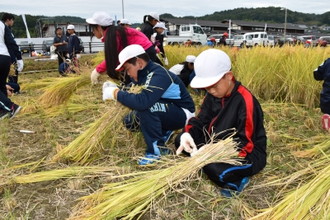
(134, 10)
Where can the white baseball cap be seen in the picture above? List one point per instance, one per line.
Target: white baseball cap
(100, 18)
(70, 27)
(210, 66)
(129, 52)
(190, 59)
(154, 15)
(125, 21)
(160, 25)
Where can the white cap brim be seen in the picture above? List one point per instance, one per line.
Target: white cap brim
(199, 82)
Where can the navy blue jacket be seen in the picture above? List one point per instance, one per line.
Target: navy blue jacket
(160, 84)
(73, 45)
(323, 73)
(13, 49)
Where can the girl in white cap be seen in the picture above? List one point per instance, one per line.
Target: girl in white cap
(115, 38)
(227, 105)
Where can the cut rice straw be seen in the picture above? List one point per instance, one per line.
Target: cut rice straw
(315, 151)
(309, 201)
(89, 145)
(132, 197)
(60, 92)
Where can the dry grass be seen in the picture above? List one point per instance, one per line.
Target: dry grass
(290, 128)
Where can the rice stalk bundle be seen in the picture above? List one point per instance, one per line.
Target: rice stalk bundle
(102, 133)
(40, 83)
(60, 92)
(69, 108)
(68, 172)
(306, 174)
(309, 201)
(319, 149)
(132, 197)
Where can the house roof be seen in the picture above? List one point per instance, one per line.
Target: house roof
(180, 21)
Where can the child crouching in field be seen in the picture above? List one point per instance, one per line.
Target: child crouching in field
(323, 73)
(226, 105)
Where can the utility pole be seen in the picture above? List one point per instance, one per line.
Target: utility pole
(122, 8)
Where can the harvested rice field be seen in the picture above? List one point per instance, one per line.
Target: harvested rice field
(67, 155)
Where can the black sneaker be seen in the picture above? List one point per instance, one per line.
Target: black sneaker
(4, 114)
(14, 110)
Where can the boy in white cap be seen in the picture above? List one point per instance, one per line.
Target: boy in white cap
(162, 106)
(158, 40)
(226, 105)
(73, 42)
(185, 70)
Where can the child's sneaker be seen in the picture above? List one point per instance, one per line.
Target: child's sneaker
(167, 136)
(148, 159)
(4, 114)
(326, 122)
(14, 110)
(230, 192)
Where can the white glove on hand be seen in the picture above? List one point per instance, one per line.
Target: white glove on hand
(108, 90)
(187, 144)
(95, 77)
(20, 65)
(166, 61)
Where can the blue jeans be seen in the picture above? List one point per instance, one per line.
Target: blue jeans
(154, 122)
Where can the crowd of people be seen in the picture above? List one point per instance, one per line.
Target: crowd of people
(165, 105)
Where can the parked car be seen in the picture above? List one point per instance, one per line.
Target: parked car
(26, 47)
(271, 40)
(81, 46)
(307, 40)
(46, 44)
(242, 41)
(215, 36)
(323, 41)
(258, 38)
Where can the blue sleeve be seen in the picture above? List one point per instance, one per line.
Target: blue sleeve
(158, 84)
(12, 46)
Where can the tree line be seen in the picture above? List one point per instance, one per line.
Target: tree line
(266, 14)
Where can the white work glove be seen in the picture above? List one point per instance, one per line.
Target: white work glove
(20, 65)
(165, 61)
(187, 144)
(95, 77)
(108, 90)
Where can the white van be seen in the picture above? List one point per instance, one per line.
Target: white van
(242, 41)
(258, 38)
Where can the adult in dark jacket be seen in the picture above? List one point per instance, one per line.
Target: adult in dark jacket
(9, 54)
(162, 106)
(323, 73)
(226, 105)
(149, 21)
(61, 44)
(13, 49)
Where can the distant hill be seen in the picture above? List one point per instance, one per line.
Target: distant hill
(269, 14)
(33, 22)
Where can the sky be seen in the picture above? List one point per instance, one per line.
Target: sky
(134, 10)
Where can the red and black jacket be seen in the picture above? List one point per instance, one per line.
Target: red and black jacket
(240, 110)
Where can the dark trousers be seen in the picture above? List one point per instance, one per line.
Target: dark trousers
(223, 174)
(61, 55)
(152, 54)
(154, 122)
(5, 63)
